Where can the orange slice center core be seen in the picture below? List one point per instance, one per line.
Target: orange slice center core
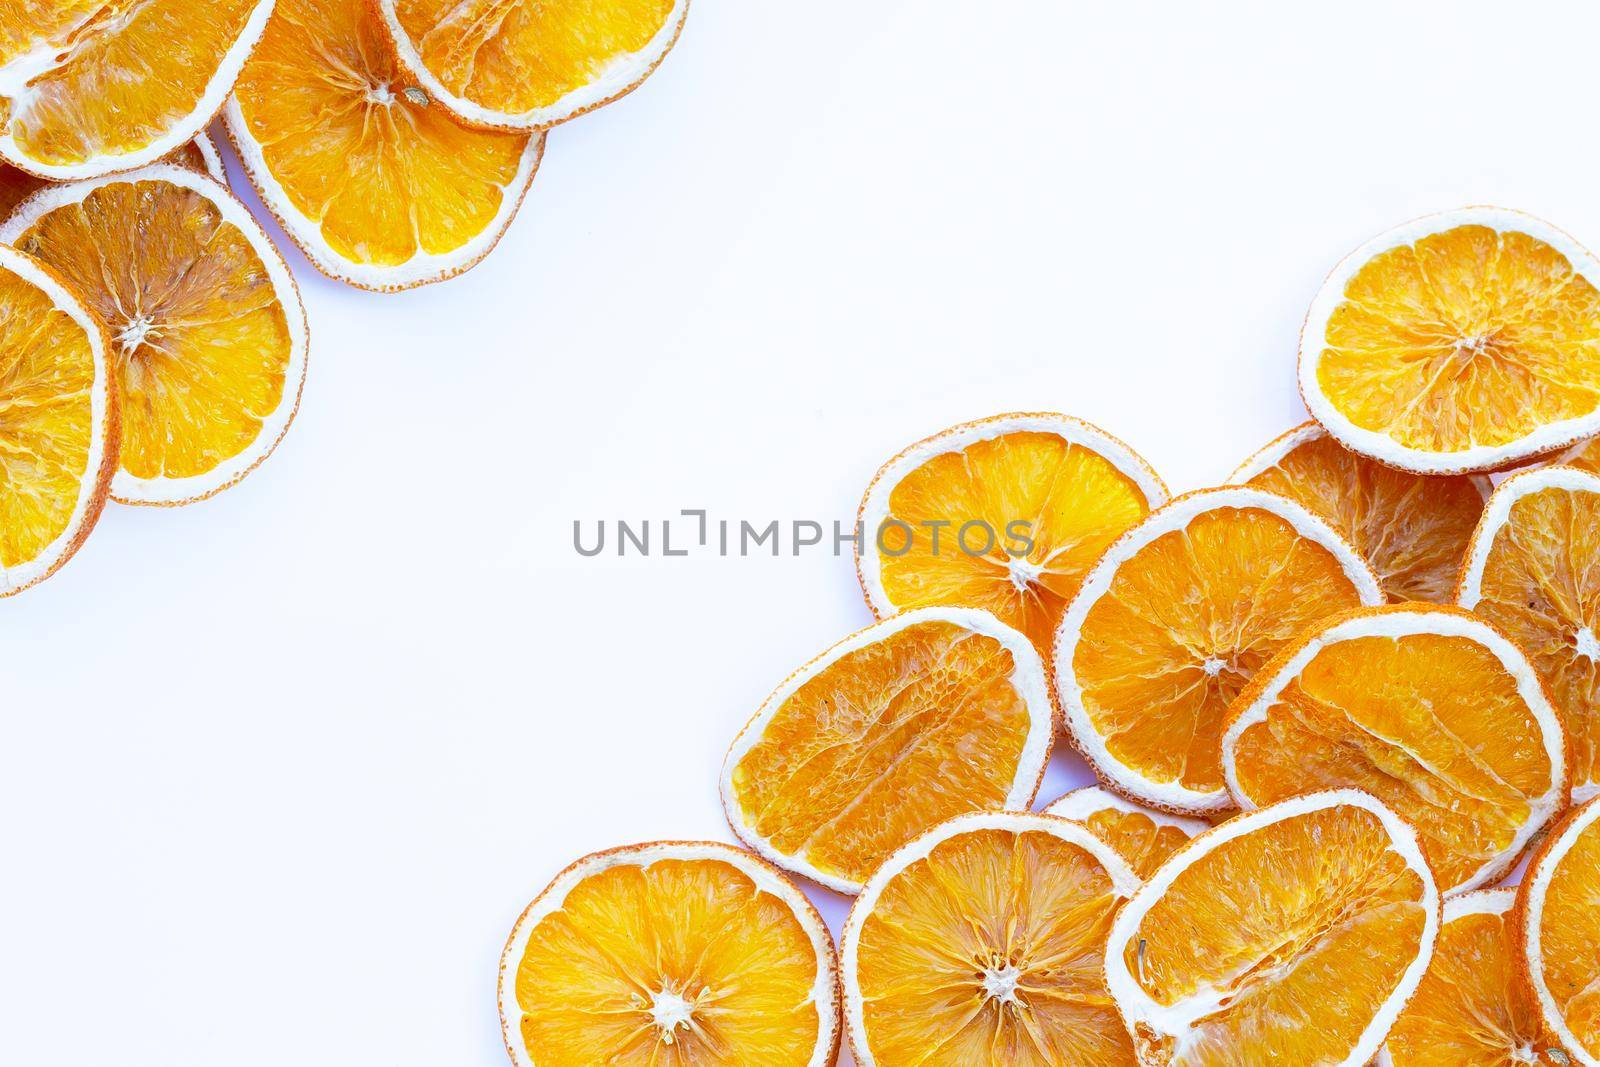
(669, 1011)
(1000, 983)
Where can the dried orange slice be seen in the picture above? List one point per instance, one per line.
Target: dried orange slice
(1039, 497)
(522, 64)
(58, 423)
(89, 87)
(672, 954)
(1412, 529)
(1429, 709)
(925, 716)
(1585, 455)
(1472, 1008)
(1558, 920)
(378, 184)
(208, 334)
(981, 942)
(1534, 571)
(199, 154)
(1176, 618)
(1142, 836)
(1459, 342)
(1294, 935)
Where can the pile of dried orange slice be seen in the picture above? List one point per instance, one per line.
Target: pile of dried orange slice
(1334, 705)
(152, 340)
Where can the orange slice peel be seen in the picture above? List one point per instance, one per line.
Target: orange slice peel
(1558, 930)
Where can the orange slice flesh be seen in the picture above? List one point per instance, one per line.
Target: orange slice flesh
(208, 334)
(1472, 1009)
(1460, 342)
(1534, 572)
(377, 183)
(981, 942)
(1412, 529)
(1174, 622)
(1292, 935)
(1039, 497)
(88, 87)
(58, 428)
(928, 715)
(531, 63)
(670, 954)
(1558, 918)
(1429, 709)
(1585, 455)
(1143, 837)
(17, 185)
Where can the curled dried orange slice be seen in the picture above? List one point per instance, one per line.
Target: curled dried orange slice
(1294, 935)
(1429, 709)
(1458, 342)
(1412, 529)
(670, 954)
(1142, 836)
(925, 716)
(1558, 919)
(981, 942)
(1006, 514)
(1534, 571)
(1176, 619)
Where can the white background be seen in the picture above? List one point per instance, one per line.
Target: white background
(279, 770)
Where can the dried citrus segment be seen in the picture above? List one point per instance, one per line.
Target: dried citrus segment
(58, 426)
(199, 155)
(88, 87)
(377, 183)
(1534, 571)
(670, 954)
(1294, 935)
(928, 715)
(1143, 837)
(1006, 514)
(1472, 1008)
(981, 942)
(1412, 529)
(1459, 342)
(1585, 455)
(522, 64)
(1558, 915)
(1429, 709)
(208, 334)
(1176, 619)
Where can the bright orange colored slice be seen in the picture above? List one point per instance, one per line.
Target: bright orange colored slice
(981, 943)
(670, 954)
(1472, 1008)
(925, 716)
(1585, 455)
(89, 87)
(1412, 529)
(1558, 920)
(1293, 935)
(1534, 571)
(199, 154)
(1177, 618)
(58, 423)
(1144, 837)
(1459, 342)
(525, 64)
(1006, 514)
(208, 333)
(372, 177)
(1429, 709)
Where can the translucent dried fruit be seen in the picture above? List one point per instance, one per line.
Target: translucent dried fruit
(1145, 838)
(1558, 911)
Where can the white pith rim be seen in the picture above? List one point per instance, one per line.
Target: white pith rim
(1281, 447)
(1409, 622)
(188, 129)
(620, 74)
(1177, 1021)
(1381, 446)
(875, 506)
(124, 486)
(13, 579)
(1027, 677)
(423, 267)
(1122, 878)
(213, 158)
(1537, 883)
(1080, 805)
(824, 991)
(1172, 517)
